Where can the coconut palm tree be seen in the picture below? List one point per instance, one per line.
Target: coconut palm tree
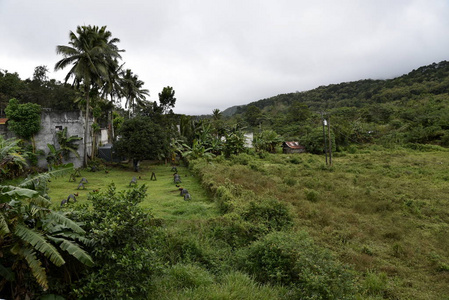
(132, 90)
(114, 90)
(217, 114)
(91, 53)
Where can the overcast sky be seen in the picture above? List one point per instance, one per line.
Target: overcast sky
(217, 54)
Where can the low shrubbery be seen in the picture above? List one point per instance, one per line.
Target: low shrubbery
(124, 247)
(292, 259)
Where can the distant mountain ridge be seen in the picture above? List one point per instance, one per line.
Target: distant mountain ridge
(433, 79)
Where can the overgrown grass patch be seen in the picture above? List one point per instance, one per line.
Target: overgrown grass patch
(380, 210)
(163, 198)
(383, 212)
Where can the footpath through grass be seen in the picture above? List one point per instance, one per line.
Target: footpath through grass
(163, 199)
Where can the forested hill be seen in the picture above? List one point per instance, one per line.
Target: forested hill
(410, 109)
(431, 79)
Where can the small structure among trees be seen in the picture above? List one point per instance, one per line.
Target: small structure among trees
(293, 147)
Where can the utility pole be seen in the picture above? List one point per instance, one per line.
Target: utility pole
(324, 136)
(330, 140)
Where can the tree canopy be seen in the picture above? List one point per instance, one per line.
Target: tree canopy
(24, 119)
(141, 138)
(167, 100)
(92, 54)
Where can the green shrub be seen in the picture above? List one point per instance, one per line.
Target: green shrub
(232, 286)
(270, 214)
(296, 160)
(242, 159)
(182, 247)
(312, 195)
(224, 199)
(293, 260)
(375, 284)
(124, 243)
(425, 147)
(182, 276)
(290, 181)
(233, 230)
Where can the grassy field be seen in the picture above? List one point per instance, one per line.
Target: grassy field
(385, 213)
(163, 197)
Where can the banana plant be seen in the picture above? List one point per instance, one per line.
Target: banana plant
(68, 144)
(33, 236)
(12, 156)
(197, 151)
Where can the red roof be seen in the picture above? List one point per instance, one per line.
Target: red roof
(3, 121)
(294, 145)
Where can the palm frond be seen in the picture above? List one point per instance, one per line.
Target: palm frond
(39, 182)
(39, 243)
(34, 264)
(13, 192)
(4, 229)
(59, 218)
(43, 177)
(74, 236)
(74, 249)
(75, 152)
(6, 273)
(40, 201)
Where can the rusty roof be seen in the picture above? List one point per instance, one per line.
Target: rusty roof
(294, 145)
(3, 121)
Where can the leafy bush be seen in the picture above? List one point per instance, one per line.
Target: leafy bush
(312, 195)
(242, 158)
(181, 276)
(270, 214)
(123, 252)
(314, 142)
(37, 244)
(425, 147)
(24, 119)
(232, 286)
(182, 247)
(293, 260)
(296, 160)
(375, 284)
(233, 230)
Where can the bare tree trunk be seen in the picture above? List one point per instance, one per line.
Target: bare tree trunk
(86, 128)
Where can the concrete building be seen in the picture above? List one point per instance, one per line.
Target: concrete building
(54, 121)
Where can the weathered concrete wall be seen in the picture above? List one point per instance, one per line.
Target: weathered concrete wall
(54, 121)
(5, 133)
(51, 122)
(104, 136)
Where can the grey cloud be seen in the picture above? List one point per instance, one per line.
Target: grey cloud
(218, 54)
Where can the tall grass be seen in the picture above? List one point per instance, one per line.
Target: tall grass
(381, 211)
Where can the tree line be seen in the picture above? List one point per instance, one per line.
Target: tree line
(412, 108)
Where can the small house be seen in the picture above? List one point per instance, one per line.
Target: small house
(293, 147)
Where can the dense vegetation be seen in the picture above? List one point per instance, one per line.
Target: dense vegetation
(260, 225)
(284, 226)
(413, 108)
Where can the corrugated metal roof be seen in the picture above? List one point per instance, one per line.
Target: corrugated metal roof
(294, 145)
(3, 121)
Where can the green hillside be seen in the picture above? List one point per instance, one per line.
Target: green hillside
(413, 108)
